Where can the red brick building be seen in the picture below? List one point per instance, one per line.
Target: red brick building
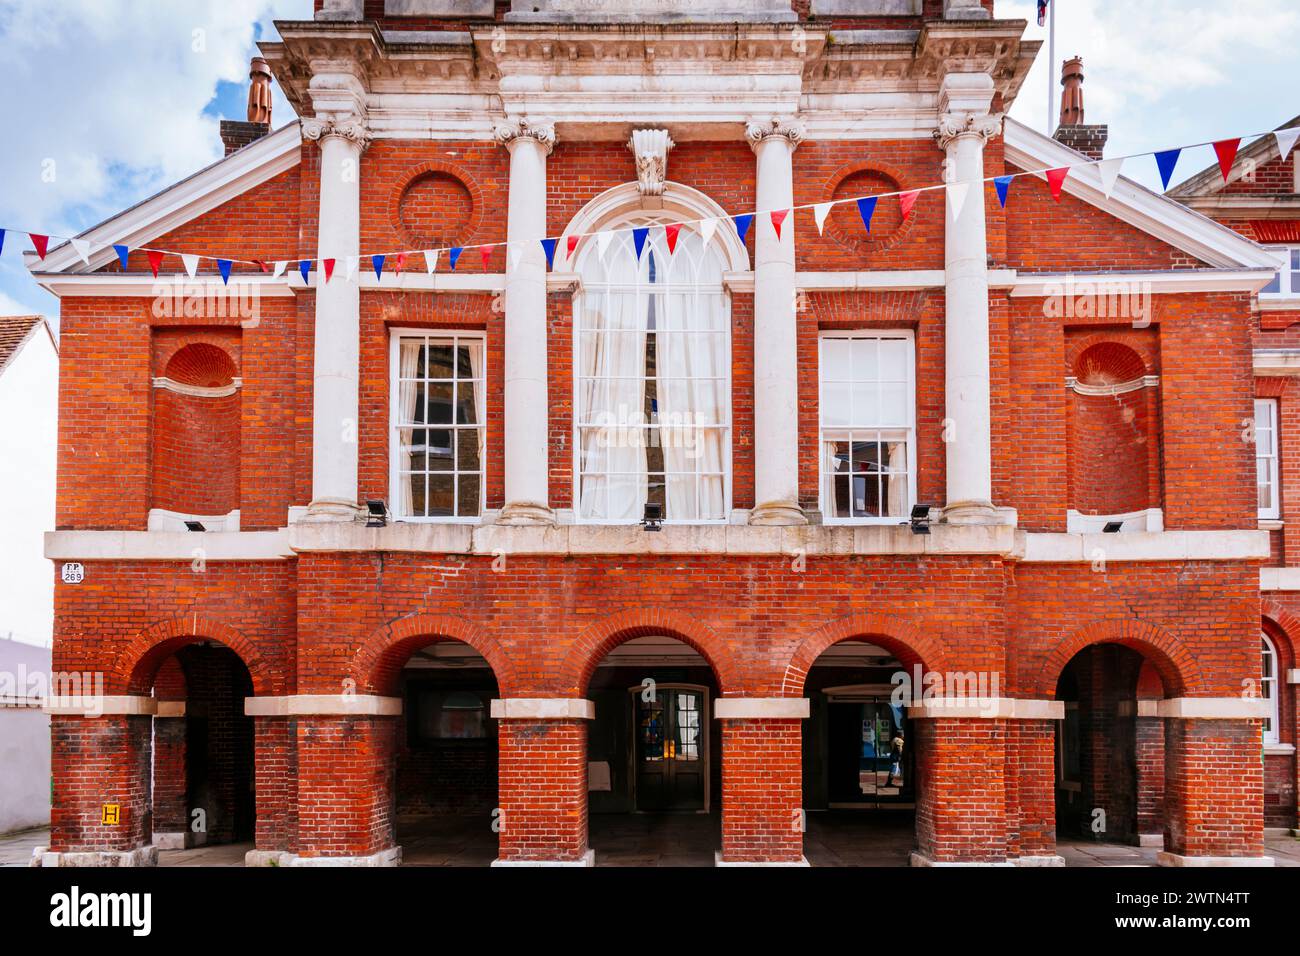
(421, 578)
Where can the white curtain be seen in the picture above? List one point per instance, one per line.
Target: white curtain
(691, 359)
(480, 417)
(897, 487)
(408, 367)
(612, 345)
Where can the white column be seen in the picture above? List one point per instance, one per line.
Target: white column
(776, 386)
(526, 400)
(965, 125)
(337, 332)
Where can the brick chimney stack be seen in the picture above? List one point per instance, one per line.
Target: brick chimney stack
(1072, 131)
(236, 134)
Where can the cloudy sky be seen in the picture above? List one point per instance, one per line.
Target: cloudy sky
(108, 101)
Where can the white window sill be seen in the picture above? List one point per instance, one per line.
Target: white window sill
(1278, 750)
(1278, 303)
(1270, 524)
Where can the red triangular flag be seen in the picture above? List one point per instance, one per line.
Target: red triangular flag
(1055, 177)
(907, 200)
(400, 259)
(1226, 150)
(262, 265)
(670, 233)
(40, 242)
(572, 244)
(155, 260)
(329, 268)
(778, 217)
(485, 253)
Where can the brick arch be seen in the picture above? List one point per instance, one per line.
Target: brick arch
(138, 663)
(907, 640)
(1108, 363)
(384, 653)
(1284, 629)
(1078, 345)
(1172, 660)
(590, 647)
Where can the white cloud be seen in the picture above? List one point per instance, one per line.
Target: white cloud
(109, 98)
(11, 306)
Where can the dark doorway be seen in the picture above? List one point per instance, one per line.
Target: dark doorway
(868, 762)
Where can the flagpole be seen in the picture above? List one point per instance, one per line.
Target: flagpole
(1051, 63)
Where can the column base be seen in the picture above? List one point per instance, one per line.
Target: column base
(140, 856)
(778, 513)
(587, 859)
(1165, 858)
(178, 841)
(920, 859)
(332, 509)
(978, 512)
(390, 857)
(526, 513)
(719, 861)
(1047, 860)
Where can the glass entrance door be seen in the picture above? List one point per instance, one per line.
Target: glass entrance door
(869, 763)
(671, 745)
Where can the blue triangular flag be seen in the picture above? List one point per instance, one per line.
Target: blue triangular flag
(638, 240)
(2, 240)
(742, 224)
(867, 209)
(121, 255)
(224, 266)
(549, 245)
(1002, 183)
(304, 266)
(452, 256)
(1166, 160)
(377, 262)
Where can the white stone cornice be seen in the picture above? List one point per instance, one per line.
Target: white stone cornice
(517, 129)
(1213, 708)
(543, 708)
(758, 130)
(198, 391)
(1277, 362)
(1142, 381)
(987, 708)
(323, 705)
(761, 708)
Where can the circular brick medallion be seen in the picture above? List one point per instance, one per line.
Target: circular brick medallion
(435, 208)
(844, 224)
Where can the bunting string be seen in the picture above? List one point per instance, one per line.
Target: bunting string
(1225, 151)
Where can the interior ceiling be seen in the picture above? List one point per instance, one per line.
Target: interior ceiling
(649, 652)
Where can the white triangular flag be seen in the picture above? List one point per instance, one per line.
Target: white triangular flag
(957, 198)
(83, 249)
(430, 260)
(1286, 139)
(820, 212)
(279, 269)
(707, 228)
(191, 264)
(516, 250)
(353, 264)
(603, 239)
(1109, 169)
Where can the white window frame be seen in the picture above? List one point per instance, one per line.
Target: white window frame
(910, 338)
(1288, 278)
(1269, 688)
(623, 226)
(394, 444)
(1275, 512)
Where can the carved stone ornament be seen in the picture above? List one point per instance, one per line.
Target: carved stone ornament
(954, 125)
(512, 130)
(651, 147)
(758, 130)
(352, 130)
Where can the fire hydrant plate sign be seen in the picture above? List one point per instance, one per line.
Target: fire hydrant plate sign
(73, 572)
(112, 814)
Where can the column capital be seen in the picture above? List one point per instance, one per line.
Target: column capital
(953, 126)
(353, 129)
(759, 130)
(518, 128)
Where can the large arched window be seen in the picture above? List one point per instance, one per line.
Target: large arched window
(1268, 688)
(652, 367)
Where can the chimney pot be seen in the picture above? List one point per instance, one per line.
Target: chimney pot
(1072, 131)
(237, 134)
